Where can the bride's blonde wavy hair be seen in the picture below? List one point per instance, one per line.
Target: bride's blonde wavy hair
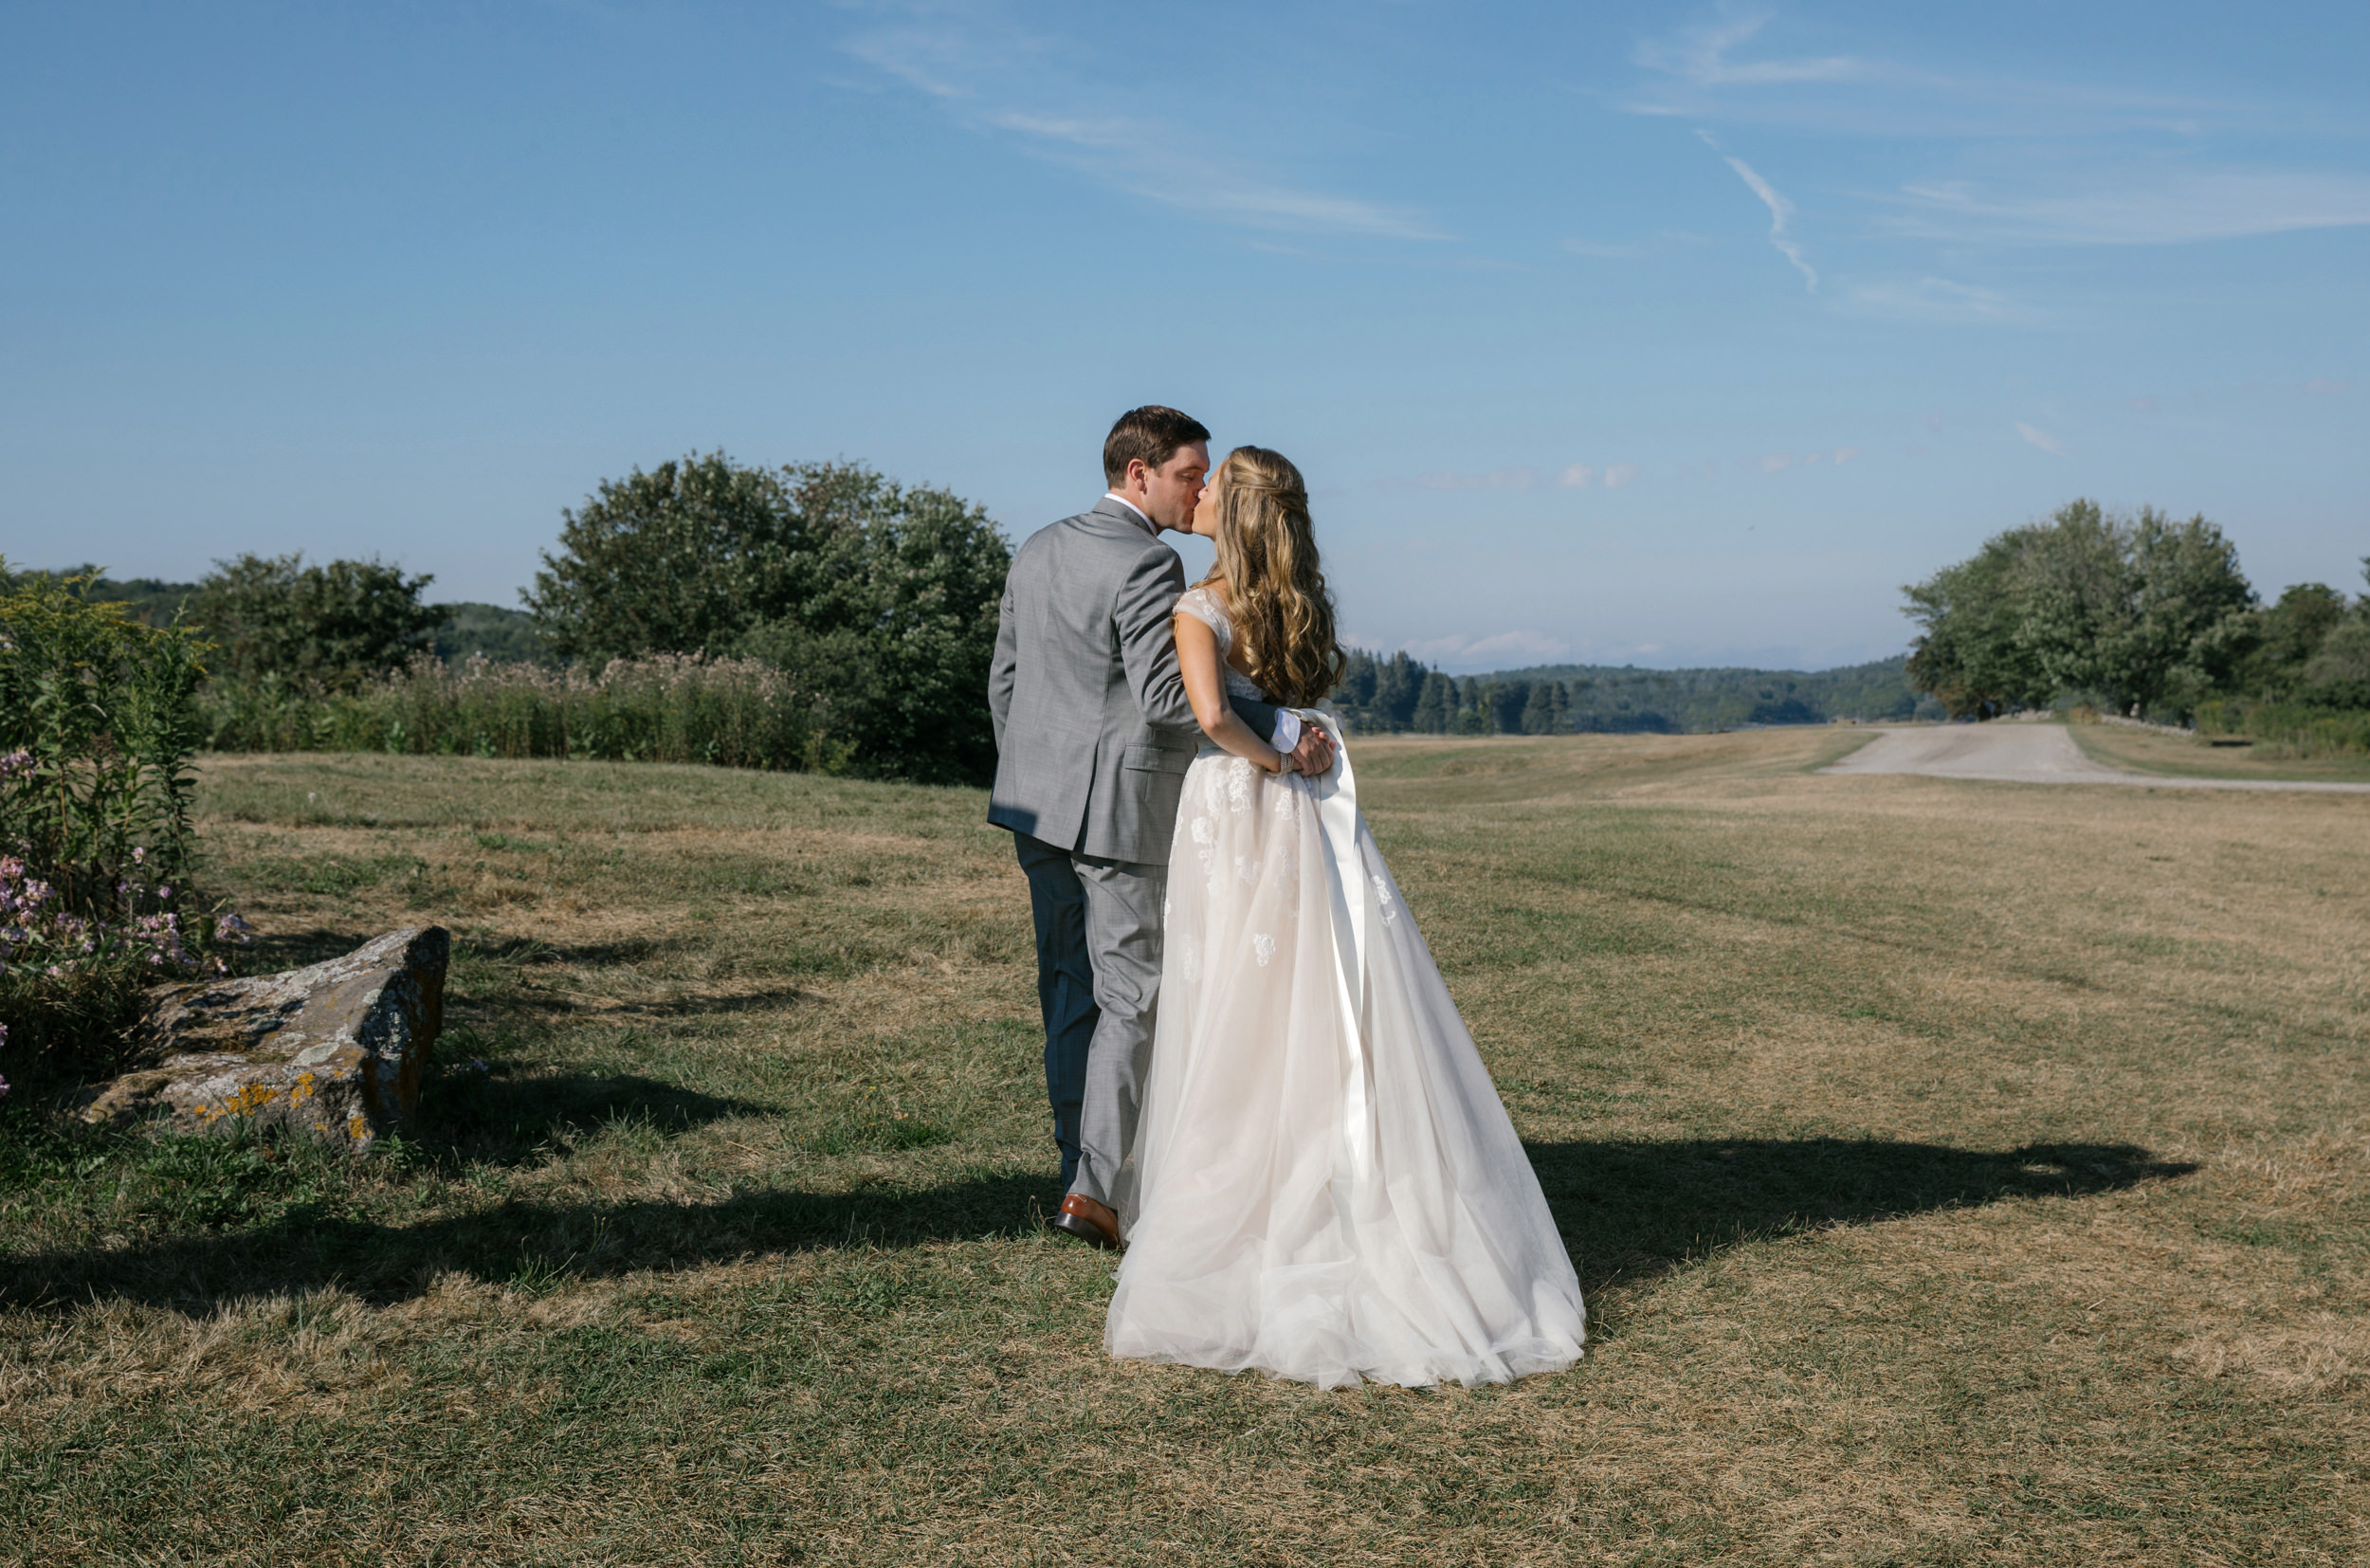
(1276, 595)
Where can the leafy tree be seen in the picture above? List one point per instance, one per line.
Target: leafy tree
(327, 627)
(2279, 640)
(878, 600)
(2068, 592)
(2149, 613)
(683, 559)
(1969, 655)
(2187, 620)
(2338, 674)
(898, 627)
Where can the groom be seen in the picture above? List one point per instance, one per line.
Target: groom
(1093, 734)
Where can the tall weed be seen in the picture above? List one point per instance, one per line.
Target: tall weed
(2287, 729)
(665, 707)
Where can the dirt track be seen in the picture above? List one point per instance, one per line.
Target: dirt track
(2024, 754)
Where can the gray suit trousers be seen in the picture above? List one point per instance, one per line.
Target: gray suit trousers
(1099, 984)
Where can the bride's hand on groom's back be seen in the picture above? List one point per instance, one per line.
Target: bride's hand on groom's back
(1313, 755)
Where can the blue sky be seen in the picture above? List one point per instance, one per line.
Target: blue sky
(1667, 335)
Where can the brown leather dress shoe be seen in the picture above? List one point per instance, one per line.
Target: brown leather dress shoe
(1087, 1220)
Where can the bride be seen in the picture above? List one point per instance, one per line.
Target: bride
(1326, 1186)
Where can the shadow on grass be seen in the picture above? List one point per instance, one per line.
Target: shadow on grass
(1632, 1210)
(503, 1120)
(1627, 1210)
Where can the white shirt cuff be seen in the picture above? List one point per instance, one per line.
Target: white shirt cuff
(1288, 730)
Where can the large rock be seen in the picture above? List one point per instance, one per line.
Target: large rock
(334, 1047)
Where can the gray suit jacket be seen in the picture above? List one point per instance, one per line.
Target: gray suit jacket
(1093, 731)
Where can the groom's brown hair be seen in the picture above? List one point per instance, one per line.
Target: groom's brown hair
(1150, 434)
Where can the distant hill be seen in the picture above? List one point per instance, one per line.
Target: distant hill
(1605, 697)
(1399, 693)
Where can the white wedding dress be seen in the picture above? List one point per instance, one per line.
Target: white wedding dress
(1326, 1186)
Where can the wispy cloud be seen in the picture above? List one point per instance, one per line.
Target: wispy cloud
(1938, 299)
(1710, 71)
(2325, 386)
(2042, 439)
(1576, 477)
(1621, 474)
(997, 77)
(1703, 56)
(1780, 220)
(2144, 207)
(2057, 162)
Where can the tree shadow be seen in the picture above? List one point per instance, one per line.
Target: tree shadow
(501, 1119)
(1627, 1210)
(1633, 1210)
(533, 1245)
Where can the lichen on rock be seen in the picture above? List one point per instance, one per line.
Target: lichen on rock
(336, 1049)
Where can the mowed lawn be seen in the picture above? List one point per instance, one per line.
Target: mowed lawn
(1960, 1172)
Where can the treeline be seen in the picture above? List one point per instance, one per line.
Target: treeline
(812, 616)
(2146, 616)
(463, 630)
(1400, 694)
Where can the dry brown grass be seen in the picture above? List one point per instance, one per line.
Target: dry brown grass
(1960, 1172)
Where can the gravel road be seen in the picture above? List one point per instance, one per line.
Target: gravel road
(2025, 754)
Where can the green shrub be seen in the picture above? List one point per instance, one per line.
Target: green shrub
(313, 628)
(97, 721)
(2287, 729)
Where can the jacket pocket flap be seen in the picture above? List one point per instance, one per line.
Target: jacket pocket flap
(1159, 759)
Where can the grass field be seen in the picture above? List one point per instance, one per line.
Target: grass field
(1960, 1173)
(2151, 752)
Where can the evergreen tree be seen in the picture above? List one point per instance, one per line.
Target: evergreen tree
(1473, 716)
(1435, 706)
(1539, 709)
(1399, 687)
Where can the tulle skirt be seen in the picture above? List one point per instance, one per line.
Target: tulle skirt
(1326, 1186)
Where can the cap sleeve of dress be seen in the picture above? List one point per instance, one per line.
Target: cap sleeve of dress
(1203, 605)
